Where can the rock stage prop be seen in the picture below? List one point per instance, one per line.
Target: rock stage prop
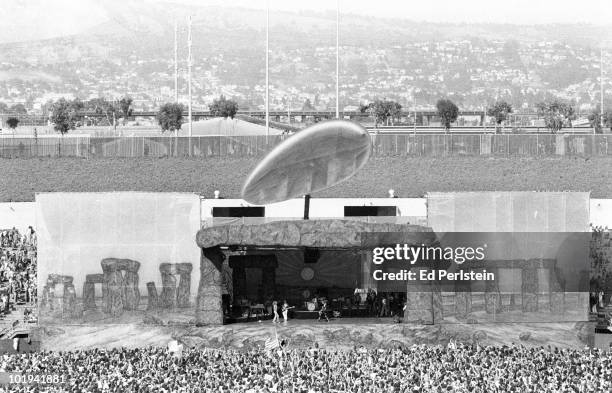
(172, 296)
(68, 301)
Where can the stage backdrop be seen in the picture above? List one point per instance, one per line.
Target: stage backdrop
(77, 230)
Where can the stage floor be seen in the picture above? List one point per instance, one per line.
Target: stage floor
(344, 333)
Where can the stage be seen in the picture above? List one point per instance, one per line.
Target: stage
(344, 313)
(343, 333)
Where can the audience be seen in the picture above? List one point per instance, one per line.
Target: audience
(457, 368)
(17, 269)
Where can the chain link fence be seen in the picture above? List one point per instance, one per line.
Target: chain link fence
(241, 146)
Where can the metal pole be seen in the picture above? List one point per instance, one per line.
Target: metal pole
(306, 206)
(267, 71)
(175, 61)
(601, 110)
(337, 59)
(484, 119)
(415, 115)
(189, 63)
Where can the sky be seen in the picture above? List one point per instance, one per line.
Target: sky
(597, 12)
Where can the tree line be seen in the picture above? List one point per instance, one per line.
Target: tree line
(556, 113)
(170, 115)
(67, 115)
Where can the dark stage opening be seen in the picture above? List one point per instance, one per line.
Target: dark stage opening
(306, 279)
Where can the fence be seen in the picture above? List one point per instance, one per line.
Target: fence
(499, 145)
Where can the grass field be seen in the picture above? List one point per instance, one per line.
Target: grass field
(20, 179)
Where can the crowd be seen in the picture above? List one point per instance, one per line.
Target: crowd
(455, 368)
(17, 268)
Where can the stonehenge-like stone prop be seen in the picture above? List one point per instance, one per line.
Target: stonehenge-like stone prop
(421, 307)
(121, 292)
(89, 296)
(48, 295)
(68, 296)
(209, 308)
(131, 293)
(557, 292)
(89, 290)
(493, 303)
(171, 296)
(463, 299)
(153, 298)
(529, 289)
(168, 294)
(184, 289)
(69, 301)
(309, 233)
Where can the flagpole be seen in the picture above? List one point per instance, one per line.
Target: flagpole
(337, 59)
(415, 114)
(189, 76)
(267, 71)
(175, 62)
(601, 92)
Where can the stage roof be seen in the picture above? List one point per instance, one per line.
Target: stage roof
(313, 233)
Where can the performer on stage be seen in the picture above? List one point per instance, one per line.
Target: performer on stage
(285, 310)
(275, 312)
(323, 311)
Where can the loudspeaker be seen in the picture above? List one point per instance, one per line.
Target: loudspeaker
(369, 211)
(239, 211)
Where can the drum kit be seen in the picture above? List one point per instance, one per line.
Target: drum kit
(314, 304)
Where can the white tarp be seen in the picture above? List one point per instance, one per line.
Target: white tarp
(514, 211)
(77, 230)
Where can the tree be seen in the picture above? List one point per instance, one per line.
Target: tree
(223, 107)
(170, 117)
(395, 111)
(308, 105)
(448, 112)
(18, 108)
(12, 122)
(500, 111)
(383, 111)
(555, 114)
(103, 107)
(595, 119)
(64, 115)
(608, 119)
(125, 105)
